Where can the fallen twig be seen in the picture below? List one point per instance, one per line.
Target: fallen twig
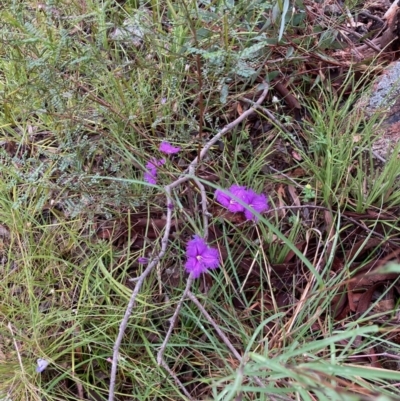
(135, 292)
(160, 354)
(177, 381)
(274, 121)
(367, 14)
(173, 321)
(221, 334)
(224, 338)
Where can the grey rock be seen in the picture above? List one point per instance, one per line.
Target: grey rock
(384, 101)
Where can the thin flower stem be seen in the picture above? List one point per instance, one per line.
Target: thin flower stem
(187, 175)
(274, 120)
(192, 166)
(204, 204)
(160, 354)
(135, 292)
(177, 381)
(223, 337)
(287, 177)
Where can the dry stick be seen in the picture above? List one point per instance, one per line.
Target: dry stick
(368, 42)
(370, 16)
(275, 121)
(192, 166)
(135, 292)
(177, 381)
(188, 174)
(224, 338)
(173, 320)
(160, 355)
(160, 359)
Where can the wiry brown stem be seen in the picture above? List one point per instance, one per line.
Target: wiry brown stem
(187, 175)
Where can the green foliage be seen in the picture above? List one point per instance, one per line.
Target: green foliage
(340, 170)
(89, 90)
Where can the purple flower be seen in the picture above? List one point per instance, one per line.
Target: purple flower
(200, 257)
(256, 201)
(225, 199)
(168, 149)
(142, 260)
(41, 365)
(150, 175)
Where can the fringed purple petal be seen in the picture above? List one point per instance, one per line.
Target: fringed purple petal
(169, 149)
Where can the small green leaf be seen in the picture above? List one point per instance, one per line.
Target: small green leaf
(224, 93)
(391, 267)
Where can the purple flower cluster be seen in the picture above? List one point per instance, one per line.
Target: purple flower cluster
(200, 257)
(168, 149)
(252, 200)
(150, 175)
